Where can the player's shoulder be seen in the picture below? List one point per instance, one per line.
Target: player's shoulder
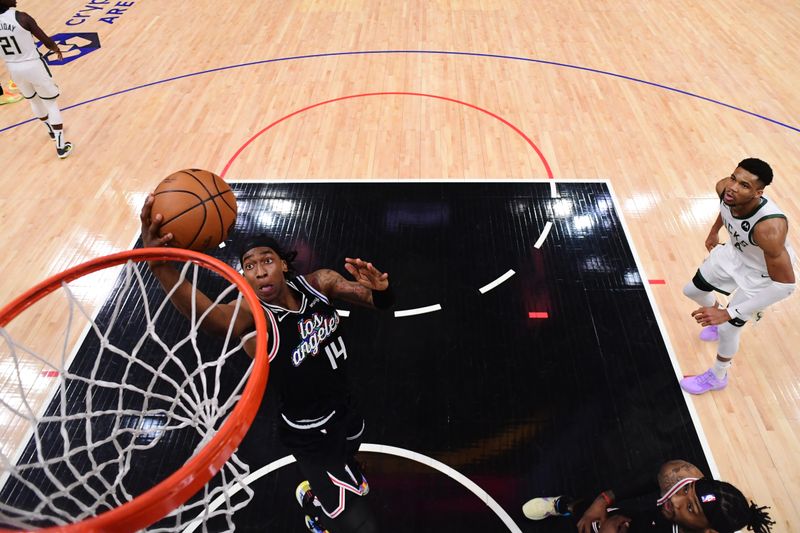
(321, 279)
(771, 227)
(25, 20)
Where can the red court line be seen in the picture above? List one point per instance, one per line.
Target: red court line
(658, 282)
(318, 104)
(538, 314)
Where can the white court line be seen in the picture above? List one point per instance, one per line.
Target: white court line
(543, 236)
(418, 311)
(377, 448)
(553, 191)
(673, 358)
(498, 281)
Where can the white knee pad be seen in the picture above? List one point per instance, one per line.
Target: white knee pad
(53, 113)
(728, 339)
(704, 298)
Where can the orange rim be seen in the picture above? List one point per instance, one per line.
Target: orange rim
(158, 501)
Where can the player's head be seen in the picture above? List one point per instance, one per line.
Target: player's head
(265, 241)
(5, 4)
(745, 186)
(727, 509)
(700, 504)
(758, 168)
(265, 264)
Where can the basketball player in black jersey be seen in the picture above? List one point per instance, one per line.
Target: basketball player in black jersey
(308, 357)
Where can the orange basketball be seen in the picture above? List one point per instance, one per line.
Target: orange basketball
(198, 207)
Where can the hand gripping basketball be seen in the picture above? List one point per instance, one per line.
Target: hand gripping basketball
(197, 210)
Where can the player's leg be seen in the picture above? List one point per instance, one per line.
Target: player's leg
(43, 102)
(710, 277)
(354, 434)
(337, 484)
(56, 126)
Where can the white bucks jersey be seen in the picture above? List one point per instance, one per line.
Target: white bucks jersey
(16, 43)
(740, 230)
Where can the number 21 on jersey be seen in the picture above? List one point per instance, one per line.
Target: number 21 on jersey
(6, 44)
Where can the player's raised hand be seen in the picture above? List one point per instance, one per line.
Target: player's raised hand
(366, 274)
(151, 226)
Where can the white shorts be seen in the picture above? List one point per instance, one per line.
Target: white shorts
(33, 78)
(723, 270)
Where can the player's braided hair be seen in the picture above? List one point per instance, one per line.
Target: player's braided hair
(728, 510)
(759, 521)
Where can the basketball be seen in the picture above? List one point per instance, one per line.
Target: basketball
(198, 207)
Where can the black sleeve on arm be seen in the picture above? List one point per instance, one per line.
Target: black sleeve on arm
(383, 299)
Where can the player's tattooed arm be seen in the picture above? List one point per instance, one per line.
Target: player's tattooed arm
(359, 292)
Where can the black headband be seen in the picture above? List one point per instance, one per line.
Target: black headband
(710, 498)
(259, 241)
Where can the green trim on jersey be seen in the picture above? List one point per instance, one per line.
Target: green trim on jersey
(774, 215)
(764, 202)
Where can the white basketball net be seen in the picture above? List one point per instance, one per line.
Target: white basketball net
(79, 449)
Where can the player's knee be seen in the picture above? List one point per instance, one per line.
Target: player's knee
(698, 284)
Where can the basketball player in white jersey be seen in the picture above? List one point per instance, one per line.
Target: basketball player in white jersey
(755, 265)
(29, 69)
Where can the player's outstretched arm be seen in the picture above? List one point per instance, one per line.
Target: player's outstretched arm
(370, 288)
(218, 320)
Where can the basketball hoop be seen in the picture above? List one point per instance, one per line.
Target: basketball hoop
(218, 437)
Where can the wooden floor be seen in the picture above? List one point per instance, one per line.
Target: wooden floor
(661, 98)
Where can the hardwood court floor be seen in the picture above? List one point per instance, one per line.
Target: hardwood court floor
(457, 380)
(660, 98)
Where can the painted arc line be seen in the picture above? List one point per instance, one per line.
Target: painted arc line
(387, 450)
(418, 311)
(544, 235)
(498, 281)
(432, 52)
(527, 139)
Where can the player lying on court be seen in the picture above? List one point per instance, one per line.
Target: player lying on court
(308, 358)
(683, 501)
(755, 265)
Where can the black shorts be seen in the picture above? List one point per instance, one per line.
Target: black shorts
(325, 455)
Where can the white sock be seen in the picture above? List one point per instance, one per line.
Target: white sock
(720, 369)
(59, 138)
(49, 128)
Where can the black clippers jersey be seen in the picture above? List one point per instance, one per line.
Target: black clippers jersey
(307, 357)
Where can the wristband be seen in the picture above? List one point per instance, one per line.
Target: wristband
(383, 299)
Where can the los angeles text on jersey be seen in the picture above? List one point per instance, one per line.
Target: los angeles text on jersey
(313, 332)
